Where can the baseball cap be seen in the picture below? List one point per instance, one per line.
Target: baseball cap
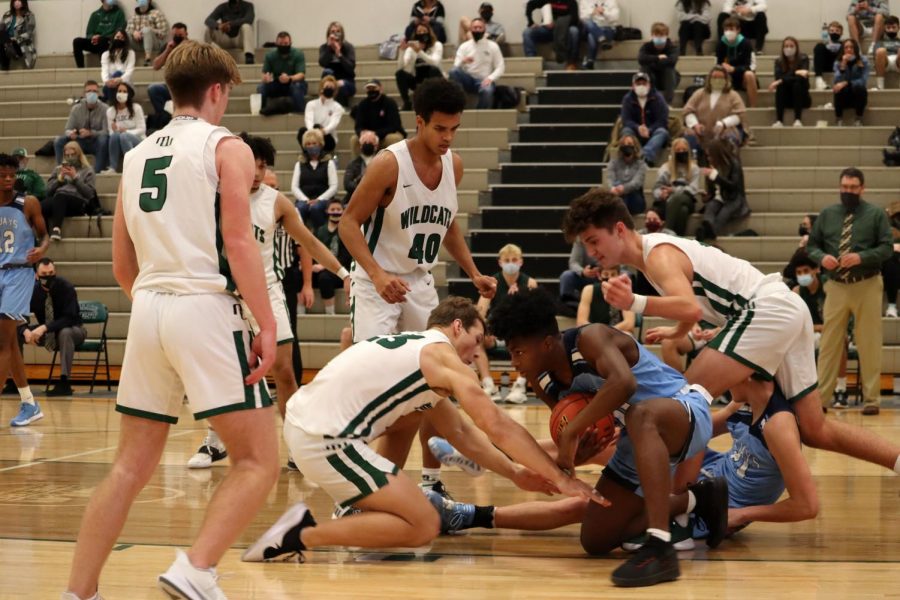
(640, 75)
(373, 82)
(20, 152)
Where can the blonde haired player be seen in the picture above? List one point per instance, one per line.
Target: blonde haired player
(182, 245)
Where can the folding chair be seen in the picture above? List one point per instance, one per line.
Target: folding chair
(96, 315)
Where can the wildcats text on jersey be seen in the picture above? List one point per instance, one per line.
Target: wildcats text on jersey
(429, 213)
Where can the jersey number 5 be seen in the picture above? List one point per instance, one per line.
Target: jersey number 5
(395, 341)
(423, 250)
(152, 179)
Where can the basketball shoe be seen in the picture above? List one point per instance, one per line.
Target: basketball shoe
(712, 507)
(451, 457)
(71, 596)
(209, 452)
(184, 580)
(454, 515)
(655, 562)
(28, 413)
(281, 543)
(518, 393)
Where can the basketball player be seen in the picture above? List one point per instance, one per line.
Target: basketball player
(407, 201)
(330, 424)
(766, 329)
(270, 210)
(20, 218)
(182, 245)
(665, 421)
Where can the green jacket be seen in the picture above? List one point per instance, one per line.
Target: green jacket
(293, 63)
(105, 22)
(34, 183)
(870, 238)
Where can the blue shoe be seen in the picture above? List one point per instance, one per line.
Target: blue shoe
(28, 413)
(451, 457)
(454, 515)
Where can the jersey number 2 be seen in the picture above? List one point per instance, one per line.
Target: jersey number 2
(9, 242)
(152, 179)
(423, 250)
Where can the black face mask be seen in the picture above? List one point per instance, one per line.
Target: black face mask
(653, 226)
(682, 157)
(849, 200)
(372, 94)
(891, 34)
(328, 92)
(835, 37)
(626, 151)
(334, 217)
(117, 44)
(284, 50)
(424, 38)
(367, 149)
(487, 15)
(801, 231)
(177, 39)
(47, 281)
(477, 35)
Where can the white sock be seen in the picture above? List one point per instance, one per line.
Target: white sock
(660, 534)
(892, 305)
(692, 503)
(329, 310)
(431, 476)
(683, 519)
(213, 438)
(879, 81)
(26, 395)
(841, 384)
(487, 383)
(897, 466)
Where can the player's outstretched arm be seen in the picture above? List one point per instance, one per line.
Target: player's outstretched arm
(293, 224)
(36, 219)
(125, 265)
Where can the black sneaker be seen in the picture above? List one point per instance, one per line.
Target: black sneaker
(587, 64)
(60, 389)
(249, 59)
(281, 542)
(10, 388)
(712, 507)
(440, 489)
(840, 399)
(656, 562)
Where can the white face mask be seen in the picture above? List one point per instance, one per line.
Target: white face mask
(717, 84)
(731, 35)
(122, 97)
(510, 268)
(642, 90)
(790, 51)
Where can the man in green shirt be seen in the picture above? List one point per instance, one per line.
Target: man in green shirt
(102, 25)
(34, 183)
(850, 240)
(284, 74)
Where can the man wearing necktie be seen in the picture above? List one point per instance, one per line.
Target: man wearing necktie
(850, 240)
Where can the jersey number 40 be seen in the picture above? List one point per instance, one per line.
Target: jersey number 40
(423, 250)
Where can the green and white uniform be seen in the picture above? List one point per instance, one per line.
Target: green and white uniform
(353, 400)
(405, 238)
(765, 326)
(187, 334)
(271, 244)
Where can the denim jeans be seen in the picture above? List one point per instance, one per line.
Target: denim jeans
(275, 89)
(313, 212)
(571, 284)
(473, 86)
(159, 95)
(565, 42)
(652, 145)
(595, 34)
(120, 142)
(96, 145)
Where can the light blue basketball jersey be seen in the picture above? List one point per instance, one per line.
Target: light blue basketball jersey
(16, 236)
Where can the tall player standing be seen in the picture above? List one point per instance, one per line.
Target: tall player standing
(182, 245)
(401, 213)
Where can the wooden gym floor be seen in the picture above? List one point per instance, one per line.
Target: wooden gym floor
(48, 470)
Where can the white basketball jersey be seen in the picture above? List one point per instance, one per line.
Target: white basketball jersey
(722, 283)
(406, 236)
(366, 388)
(262, 216)
(171, 206)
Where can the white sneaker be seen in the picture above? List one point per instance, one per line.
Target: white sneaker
(891, 312)
(820, 84)
(871, 48)
(72, 596)
(184, 580)
(207, 454)
(517, 394)
(777, 124)
(487, 384)
(857, 123)
(798, 123)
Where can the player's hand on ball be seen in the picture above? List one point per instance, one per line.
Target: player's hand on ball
(657, 334)
(617, 292)
(528, 480)
(262, 354)
(486, 285)
(391, 288)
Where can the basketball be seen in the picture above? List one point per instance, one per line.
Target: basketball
(566, 410)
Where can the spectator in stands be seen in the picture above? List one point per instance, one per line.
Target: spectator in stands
(562, 29)
(323, 279)
(593, 308)
(427, 12)
(751, 17)
(645, 115)
(368, 147)
(159, 92)
(510, 280)
(694, 17)
(60, 328)
(890, 270)
(116, 65)
(283, 75)
(730, 201)
(867, 16)
(69, 189)
(826, 53)
(478, 66)
(851, 75)
(734, 53)
(32, 182)
(147, 29)
(376, 112)
(87, 126)
(314, 181)
(599, 18)
(791, 84)
(102, 24)
(806, 225)
(494, 31)
(713, 111)
(230, 25)
(583, 270)
(853, 264)
(127, 126)
(677, 186)
(338, 57)
(17, 35)
(323, 113)
(626, 172)
(654, 222)
(658, 57)
(886, 51)
(418, 59)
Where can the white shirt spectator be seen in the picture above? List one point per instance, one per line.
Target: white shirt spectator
(108, 67)
(324, 112)
(332, 181)
(610, 16)
(488, 61)
(136, 125)
(682, 13)
(409, 58)
(756, 7)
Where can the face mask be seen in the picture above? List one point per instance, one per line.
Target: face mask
(424, 38)
(477, 35)
(849, 200)
(801, 231)
(510, 268)
(641, 90)
(334, 217)
(177, 39)
(717, 85)
(790, 52)
(626, 151)
(337, 35)
(117, 44)
(653, 226)
(731, 35)
(835, 37)
(891, 34)
(142, 3)
(372, 94)
(328, 92)
(367, 149)
(47, 280)
(122, 97)
(805, 280)
(91, 97)
(682, 156)
(487, 15)
(659, 41)
(110, 2)
(313, 151)
(284, 49)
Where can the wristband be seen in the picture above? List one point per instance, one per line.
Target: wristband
(639, 304)
(343, 273)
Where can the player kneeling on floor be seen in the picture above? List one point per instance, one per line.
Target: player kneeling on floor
(331, 421)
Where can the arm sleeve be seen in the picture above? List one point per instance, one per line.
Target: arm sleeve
(672, 54)
(326, 55)
(497, 61)
(882, 8)
(160, 25)
(248, 16)
(690, 120)
(636, 183)
(110, 118)
(295, 183)
(758, 6)
(267, 64)
(140, 129)
(576, 258)
(433, 56)
(406, 59)
(348, 57)
(335, 120)
(70, 314)
(646, 57)
(662, 180)
(884, 249)
(457, 61)
(728, 6)
(91, 28)
(85, 182)
(611, 12)
(731, 121)
(104, 67)
(332, 182)
(628, 114)
(214, 16)
(815, 244)
(119, 21)
(128, 75)
(693, 185)
(130, 28)
(309, 115)
(53, 182)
